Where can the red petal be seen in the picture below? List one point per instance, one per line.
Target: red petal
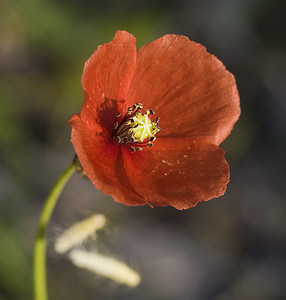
(178, 172)
(108, 72)
(190, 89)
(106, 79)
(101, 160)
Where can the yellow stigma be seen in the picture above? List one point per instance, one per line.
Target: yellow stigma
(136, 130)
(143, 127)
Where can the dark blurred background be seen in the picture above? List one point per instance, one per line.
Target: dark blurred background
(233, 247)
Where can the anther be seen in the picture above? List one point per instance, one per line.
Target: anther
(149, 112)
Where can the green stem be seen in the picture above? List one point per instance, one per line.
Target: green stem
(40, 286)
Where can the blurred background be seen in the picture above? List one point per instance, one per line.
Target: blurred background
(233, 247)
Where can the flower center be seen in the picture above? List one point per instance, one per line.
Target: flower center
(136, 130)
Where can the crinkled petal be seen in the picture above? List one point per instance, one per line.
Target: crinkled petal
(178, 172)
(189, 89)
(102, 161)
(197, 101)
(108, 72)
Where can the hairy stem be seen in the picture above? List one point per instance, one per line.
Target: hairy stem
(40, 285)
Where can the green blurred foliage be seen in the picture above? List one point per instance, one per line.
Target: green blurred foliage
(14, 265)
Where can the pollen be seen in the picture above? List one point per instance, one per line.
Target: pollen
(136, 130)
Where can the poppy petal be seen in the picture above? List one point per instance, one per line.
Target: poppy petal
(178, 172)
(102, 162)
(108, 72)
(190, 89)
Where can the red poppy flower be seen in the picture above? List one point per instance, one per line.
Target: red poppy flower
(197, 101)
